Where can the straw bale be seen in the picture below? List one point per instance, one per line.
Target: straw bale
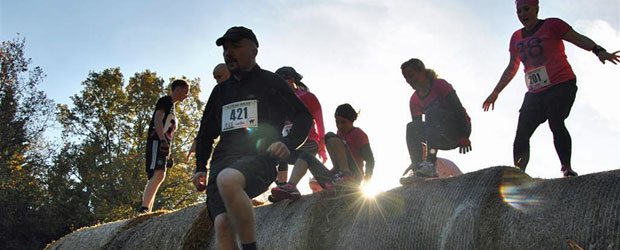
(494, 208)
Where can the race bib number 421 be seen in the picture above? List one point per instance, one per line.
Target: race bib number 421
(537, 78)
(243, 114)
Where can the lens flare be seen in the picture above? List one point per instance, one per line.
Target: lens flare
(519, 191)
(370, 190)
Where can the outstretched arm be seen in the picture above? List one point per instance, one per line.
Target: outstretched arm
(509, 73)
(587, 44)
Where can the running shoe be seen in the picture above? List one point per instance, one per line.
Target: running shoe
(569, 173)
(341, 180)
(408, 175)
(141, 211)
(283, 192)
(427, 170)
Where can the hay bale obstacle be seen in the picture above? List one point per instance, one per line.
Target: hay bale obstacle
(495, 208)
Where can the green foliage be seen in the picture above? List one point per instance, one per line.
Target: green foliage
(24, 115)
(97, 173)
(108, 124)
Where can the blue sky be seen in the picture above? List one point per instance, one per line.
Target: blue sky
(348, 51)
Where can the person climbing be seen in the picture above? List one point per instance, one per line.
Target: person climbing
(350, 153)
(551, 83)
(439, 121)
(247, 111)
(315, 143)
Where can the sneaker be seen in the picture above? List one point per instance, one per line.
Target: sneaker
(341, 180)
(427, 170)
(408, 176)
(142, 210)
(569, 173)
(286, 191)
(343, 176)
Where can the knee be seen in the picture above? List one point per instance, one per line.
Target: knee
(332, 140)
(223, 228)
(158, 176)
(230, 180)
(330, 136)
(415, 130)
(557, 125)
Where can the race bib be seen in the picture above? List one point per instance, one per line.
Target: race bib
(243, 114)
(537, 78)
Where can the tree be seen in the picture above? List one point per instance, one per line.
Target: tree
(25, 112)
(109, 122)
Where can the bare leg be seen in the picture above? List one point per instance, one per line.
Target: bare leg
(299, 170)
(231, 183)
(151, 188)
(338, 153)
(224, 233)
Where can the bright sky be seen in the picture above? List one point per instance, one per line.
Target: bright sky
(348, 51)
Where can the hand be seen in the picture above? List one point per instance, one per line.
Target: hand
(323, 156)
(605, 56)
(282, 175)
(200, 181)
(367, 178)
(464, 145)
(490, 101)
(278, 150)
(164, 148)
(192, 149)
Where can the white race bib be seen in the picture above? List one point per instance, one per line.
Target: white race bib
(243, 114)
(537, 78)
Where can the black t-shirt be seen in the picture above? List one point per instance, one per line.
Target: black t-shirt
(248, 115)
(170, 122)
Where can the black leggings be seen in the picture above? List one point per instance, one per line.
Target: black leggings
(439, 131)
(553, 104)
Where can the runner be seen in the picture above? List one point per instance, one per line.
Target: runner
(551, 83)
(439, 119)
(349, 150)
(159, 139)
(314, 144)
(247, 111)
(220, 73)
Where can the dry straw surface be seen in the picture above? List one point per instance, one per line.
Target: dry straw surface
(494, 208)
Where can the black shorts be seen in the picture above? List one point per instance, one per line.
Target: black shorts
(259, 171)
(155, 160)
(553, 103)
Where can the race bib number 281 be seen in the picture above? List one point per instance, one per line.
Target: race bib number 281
(243, 114)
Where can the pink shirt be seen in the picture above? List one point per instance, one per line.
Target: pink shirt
(440, 88)
(355, 140)
(318, 129)
(544, 48)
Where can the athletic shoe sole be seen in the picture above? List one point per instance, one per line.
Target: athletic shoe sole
(279, 195)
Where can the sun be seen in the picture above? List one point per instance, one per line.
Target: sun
(370, 190)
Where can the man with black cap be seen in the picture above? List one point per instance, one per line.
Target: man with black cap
(247, 111)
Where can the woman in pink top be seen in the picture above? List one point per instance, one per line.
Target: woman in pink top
(549, 78)
(438, 120)
(315, 143)
(349, 151)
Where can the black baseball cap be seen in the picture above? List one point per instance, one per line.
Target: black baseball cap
(237, 33)
(288, 72)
